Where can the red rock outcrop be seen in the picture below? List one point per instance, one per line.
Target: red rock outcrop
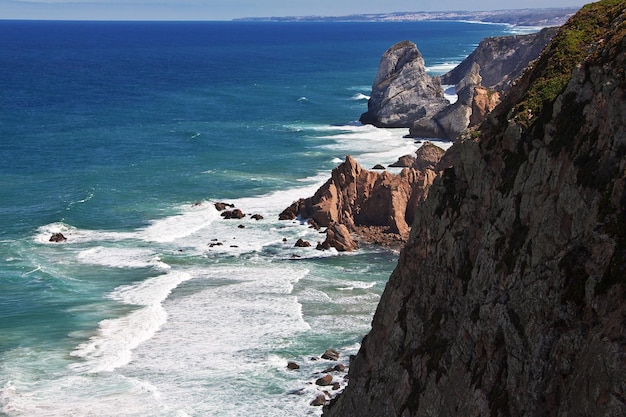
(359, 199)
(483, 102)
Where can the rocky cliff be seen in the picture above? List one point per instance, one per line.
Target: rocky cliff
(509, 298)
(501, 59)
(404, 95)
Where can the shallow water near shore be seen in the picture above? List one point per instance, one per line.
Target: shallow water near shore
(121, 136)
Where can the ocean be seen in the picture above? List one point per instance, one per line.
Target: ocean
(122, 136)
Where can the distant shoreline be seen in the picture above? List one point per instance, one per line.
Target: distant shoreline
(515, 17)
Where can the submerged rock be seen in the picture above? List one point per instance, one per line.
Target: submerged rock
(220, 206)
(57, 237)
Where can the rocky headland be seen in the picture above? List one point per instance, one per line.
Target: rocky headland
(378, 207)
(404, 95)
(509, 298)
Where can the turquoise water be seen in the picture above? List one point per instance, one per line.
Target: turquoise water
(121, 136)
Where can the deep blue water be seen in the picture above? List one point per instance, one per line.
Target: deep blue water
(110, 132)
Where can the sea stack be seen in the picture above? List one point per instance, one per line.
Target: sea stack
(402, 91)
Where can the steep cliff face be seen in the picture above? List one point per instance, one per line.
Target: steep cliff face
(509, 298)
(402, 92)
(501, 59)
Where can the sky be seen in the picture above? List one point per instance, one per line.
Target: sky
(231, 9)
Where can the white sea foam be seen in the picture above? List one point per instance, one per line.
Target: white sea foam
(76, 235)
(359, 97)
(442, 68)
(115, 340)
(449, 92)
(192, 219)
(357, 285)
(223, 331)
(121, 257)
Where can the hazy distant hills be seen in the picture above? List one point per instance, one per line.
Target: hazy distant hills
(518, 17)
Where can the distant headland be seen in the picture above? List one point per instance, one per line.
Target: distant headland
(517, 17)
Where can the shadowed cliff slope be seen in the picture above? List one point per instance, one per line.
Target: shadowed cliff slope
(509, 298)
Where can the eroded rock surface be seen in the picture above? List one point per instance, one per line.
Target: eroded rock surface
(402, 91)
(509, 298)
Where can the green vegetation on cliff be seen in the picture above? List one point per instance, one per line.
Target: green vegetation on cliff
(567, 49)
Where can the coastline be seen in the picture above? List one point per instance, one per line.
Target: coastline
(236, 312)
(516, 17)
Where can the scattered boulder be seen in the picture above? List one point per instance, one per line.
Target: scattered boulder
(257, 217)
(292, 366)
(324, 381)
(233, 214)
(331, 354)
(302, 244)
(241, 226)
(378, 166)
(319, 400)
(338, 237)
(219, 206)
(57, 237)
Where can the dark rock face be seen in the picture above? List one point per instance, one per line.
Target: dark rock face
(501, 59)
(510, 297)
(402, 91)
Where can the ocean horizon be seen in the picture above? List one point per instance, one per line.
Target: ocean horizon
(122, 136)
